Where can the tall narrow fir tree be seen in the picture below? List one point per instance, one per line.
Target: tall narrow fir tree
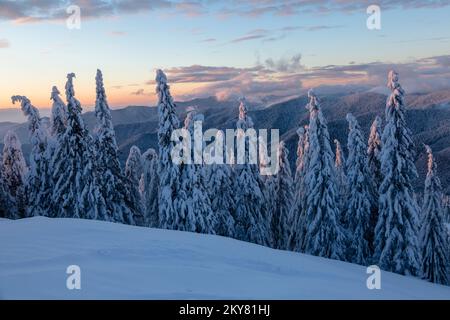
(396, 234)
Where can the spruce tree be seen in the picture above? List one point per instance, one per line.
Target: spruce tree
(133, 173)
(297, 215)
(251, 224)
(6, 203)
(58, 120)
(38, 185)
(302, 151)
(374, 166)
(435, 240)
(283, 195)
(14, 175)
(76, 191)
(341, 177)
(149, 188)
(120, 204)
(198, 215)
(324, 235)
(396, 234)
(267, 184)
(221, 194)
(171, 202)
(374, 154)
(358, 208)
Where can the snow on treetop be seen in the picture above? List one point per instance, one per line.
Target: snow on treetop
(377, 120)
(99, 82)
(55, 93)
(431, 163)
(12, 140)
(28, 109)
(427, 147)
(313, 101)
(189, 119)
(161, 78)
(70, 92)
(21, 99)
(351, 120)
(392, 79)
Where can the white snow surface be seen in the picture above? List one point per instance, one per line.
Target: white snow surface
(126, 262)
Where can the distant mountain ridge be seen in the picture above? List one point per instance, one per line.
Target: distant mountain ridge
(428, 116)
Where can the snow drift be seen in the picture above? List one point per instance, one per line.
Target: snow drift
(125, 262)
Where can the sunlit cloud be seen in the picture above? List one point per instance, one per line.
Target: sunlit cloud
(287, 77)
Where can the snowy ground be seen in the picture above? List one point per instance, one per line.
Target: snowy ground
(120, 261)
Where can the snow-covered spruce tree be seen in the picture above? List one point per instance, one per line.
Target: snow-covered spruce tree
(358, 208)
(38, 186)
(58, 120)
(149, 188)
(14, 171)
(324, 235)
(171, 202)
(302, 150)
(198, 215)
(283, 194)
(133, 173)
(220, 188)
(341, 177)
(374, 166)
(374, 154)
(120, 202)
(396, 234)
(267, 185)
(6, 203)
(76, 191)
(251, 223)
(435, 240)
(297, 224)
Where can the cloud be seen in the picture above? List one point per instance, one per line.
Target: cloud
(292, 64)
(288, 77)
(205, 74)
(248, 38)
(209, 40)
(190, 9)
(255, 8)
(280, 33)
(139, 92)
(26, 11)
(4, 44)
(322, 27)
(252, 35)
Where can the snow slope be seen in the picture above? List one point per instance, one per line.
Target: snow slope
(119, 261)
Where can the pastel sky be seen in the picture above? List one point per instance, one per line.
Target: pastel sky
(219, 48)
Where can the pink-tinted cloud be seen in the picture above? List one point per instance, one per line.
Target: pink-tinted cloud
(288, 77)
(24, 11)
